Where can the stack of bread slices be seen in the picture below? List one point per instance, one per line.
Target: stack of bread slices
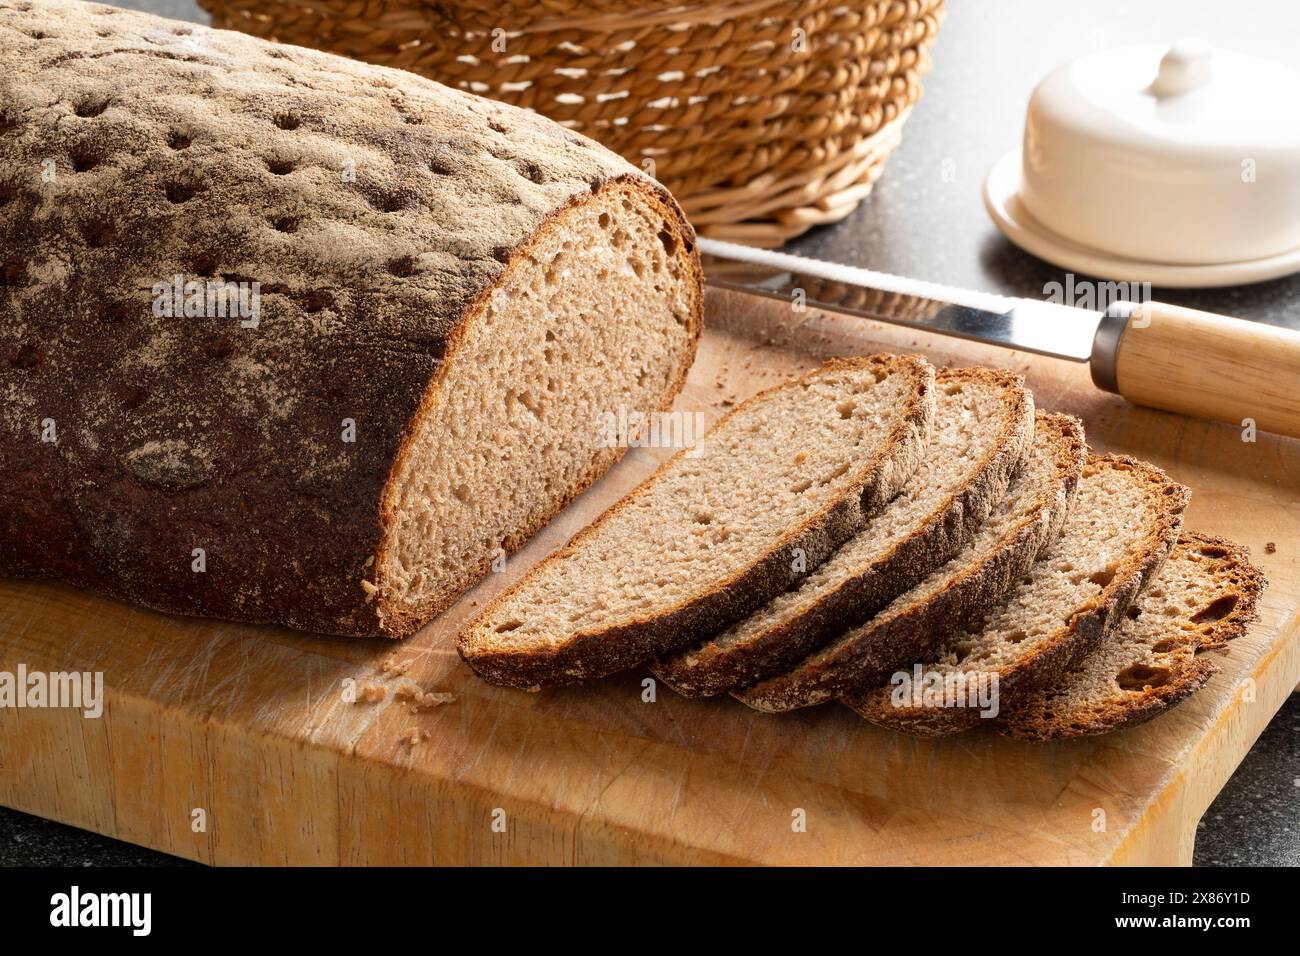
(923, 546)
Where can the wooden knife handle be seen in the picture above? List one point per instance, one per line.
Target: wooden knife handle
(1202, 364)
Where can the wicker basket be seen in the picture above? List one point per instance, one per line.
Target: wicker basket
(764, 118)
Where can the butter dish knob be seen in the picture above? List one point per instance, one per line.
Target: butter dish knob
(1186, 66)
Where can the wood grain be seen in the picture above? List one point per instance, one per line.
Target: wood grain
(250, 724)
(1211, 366)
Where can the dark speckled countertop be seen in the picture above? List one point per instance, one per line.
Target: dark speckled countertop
(922, 223)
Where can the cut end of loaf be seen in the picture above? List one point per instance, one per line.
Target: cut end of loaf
(601, 312)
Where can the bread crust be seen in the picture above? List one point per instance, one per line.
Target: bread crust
(1037, 717)
(597, 653)
(184, 150)
(866, 656)
(1086, 628)
(710, 668)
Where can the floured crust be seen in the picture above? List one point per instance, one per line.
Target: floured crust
(596, 653)
(712, 668)
(866, 655)
(1153, 659)
(183, 150)
(1087, 626)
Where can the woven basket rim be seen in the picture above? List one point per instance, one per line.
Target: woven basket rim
(758, 137)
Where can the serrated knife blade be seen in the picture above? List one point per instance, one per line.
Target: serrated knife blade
(1045, 328)
(1163, 356)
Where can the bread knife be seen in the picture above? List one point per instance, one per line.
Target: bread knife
(1161, 356)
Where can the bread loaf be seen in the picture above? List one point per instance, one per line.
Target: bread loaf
(440, 296)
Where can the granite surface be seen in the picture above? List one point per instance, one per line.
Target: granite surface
(926, 219)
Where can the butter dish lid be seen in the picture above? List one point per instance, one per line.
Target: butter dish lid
(1185, 98)
(1176, 155)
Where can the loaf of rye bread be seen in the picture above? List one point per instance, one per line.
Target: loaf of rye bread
(443, 295)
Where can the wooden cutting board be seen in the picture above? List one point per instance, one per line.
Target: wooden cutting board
(251, 727)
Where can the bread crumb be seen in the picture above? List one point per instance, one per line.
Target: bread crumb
(414, 737)
(370, 692)
(408, 689)
(1270, 548)
(393, 667)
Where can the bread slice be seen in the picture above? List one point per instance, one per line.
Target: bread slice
(1007, 545)
(1206, 595)
(984, 427)
(1123, 522)
(691, 550)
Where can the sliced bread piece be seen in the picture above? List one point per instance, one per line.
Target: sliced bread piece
(1123, 522)
(984, 427)
(690, 551)
(1007, 545)
(1206, 595)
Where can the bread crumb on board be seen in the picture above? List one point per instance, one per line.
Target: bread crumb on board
(414, 737)
(421, 699)
(370, 692)
(1270, 548)
(393, 667)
